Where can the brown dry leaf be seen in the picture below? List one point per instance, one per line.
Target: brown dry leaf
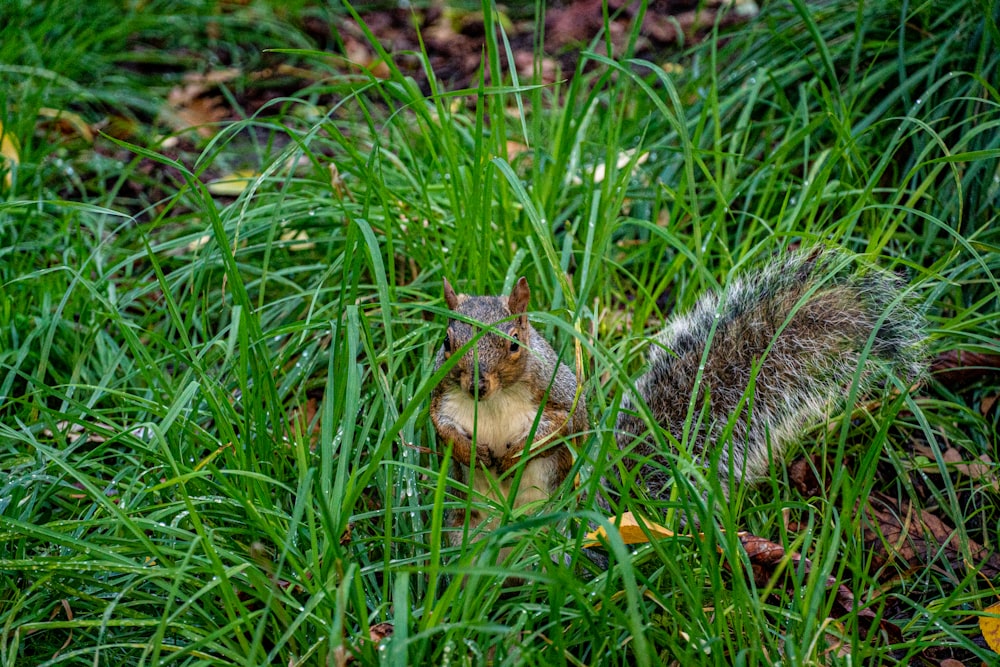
(515, 148)
(765, 558)
(980, 470)
(359, 53)
(380, 631)
(345, 539)
(75, 431)
(951, 662)
(189, 106)
(957, 369)
(301, 417)
(69, 123)
(901, 532)
(989, 625)
(337, 183)
(214, 77)
(987, 404)
(376, 634)
(632, 529)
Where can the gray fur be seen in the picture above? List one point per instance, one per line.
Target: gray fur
(803, 322)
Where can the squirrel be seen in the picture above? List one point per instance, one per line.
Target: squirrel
(506, 388)
(766, 356)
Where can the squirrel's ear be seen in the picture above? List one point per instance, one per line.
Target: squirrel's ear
(518, 302)
(450, 297)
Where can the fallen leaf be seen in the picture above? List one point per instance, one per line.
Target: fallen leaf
(10, 152)
(189, 106)
(989, 625)
(632, 530)
(376, 634)
(981, 469)
(380, 631)
(899, 531)
(213, 77)
(765, 558)
(71, 120)
(300, 238)
(624, 159)
(232, 185)
(957, 369)
(988, 403)
(951, 662)
(338, 185)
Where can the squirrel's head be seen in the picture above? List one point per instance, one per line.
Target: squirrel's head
(500, 355)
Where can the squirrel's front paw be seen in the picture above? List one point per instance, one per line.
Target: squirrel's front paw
(484, 456)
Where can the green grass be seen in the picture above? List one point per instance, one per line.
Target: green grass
(210, 428)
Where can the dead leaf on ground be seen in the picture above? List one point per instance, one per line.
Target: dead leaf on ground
(187, 108)
(981, 469)
(232, 185)
(632, 529)
(10, 153)
(900, 532)
(766, 562)
(302, 421)
(957, 369)
(376, 634)
(76, 430)
(989, 625)
(191, 104)
(297, 240)
(68, 123)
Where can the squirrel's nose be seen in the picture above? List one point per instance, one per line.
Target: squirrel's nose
(483, 387)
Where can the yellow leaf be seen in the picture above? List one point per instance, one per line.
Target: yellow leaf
(300, 236)
(632, 529)
(233, 184)
(9, 152)
(75, 121)
(989, 624)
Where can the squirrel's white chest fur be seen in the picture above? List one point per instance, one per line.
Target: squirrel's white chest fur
(532, 487)
(503, 419)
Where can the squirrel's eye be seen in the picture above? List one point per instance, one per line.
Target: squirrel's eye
(447, 343)
(514, 344)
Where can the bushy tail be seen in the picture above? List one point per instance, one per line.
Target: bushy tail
(784, 345)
